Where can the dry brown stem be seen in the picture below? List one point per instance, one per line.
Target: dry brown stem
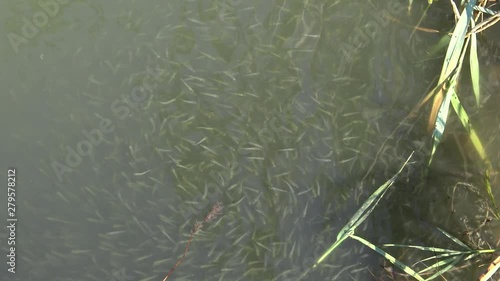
(213, 214)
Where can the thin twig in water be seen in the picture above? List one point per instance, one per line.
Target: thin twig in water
(213, 214)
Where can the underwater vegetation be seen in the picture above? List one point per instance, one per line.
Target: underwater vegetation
(259, 140)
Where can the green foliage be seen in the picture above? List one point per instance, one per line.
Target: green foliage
(446, 91)
(445, 259)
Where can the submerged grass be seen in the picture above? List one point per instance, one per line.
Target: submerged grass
(445, 94)
(445, 259)
(446, 91)
(361, 215)
(214, 213)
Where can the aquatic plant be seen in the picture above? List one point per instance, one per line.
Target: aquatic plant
(446, 259)
(213, 214)
(445, 93)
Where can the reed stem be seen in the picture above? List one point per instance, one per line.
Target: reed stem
(213, 214)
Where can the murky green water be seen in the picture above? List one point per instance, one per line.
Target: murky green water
(128, 120)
